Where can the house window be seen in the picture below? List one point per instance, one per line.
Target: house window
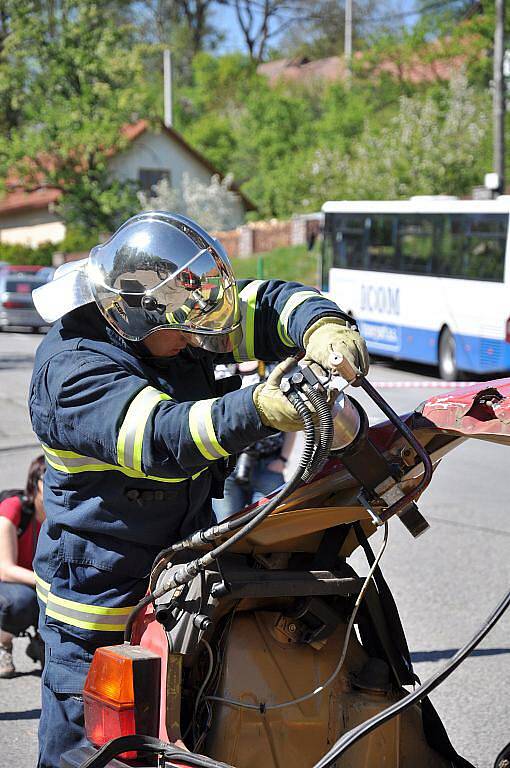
(149, 177)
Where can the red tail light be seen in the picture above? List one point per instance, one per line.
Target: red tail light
(121, 694)
(507, 330)
(14, 305)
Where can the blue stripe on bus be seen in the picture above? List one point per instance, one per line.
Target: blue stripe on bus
(475, 354)
(482, 355)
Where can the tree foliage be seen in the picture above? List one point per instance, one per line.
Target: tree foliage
(15, 253)
(85, 83)
(323, 32)
(432, 145)
(74, 72)
(214, 206)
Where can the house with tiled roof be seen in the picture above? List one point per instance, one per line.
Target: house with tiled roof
(30, 217)
(433, 63)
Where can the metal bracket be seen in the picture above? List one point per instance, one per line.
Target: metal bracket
(363, 499)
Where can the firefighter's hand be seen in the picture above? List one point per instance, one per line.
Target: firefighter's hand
(273, 407)
(331, 336)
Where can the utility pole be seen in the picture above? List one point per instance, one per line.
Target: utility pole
(167, 87)
(348, 37)
(499, 96)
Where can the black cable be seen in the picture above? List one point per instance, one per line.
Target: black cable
(357, 733)
(152, 745)
(326, 430)
(253, 518)
(290, 486)
(208, 535)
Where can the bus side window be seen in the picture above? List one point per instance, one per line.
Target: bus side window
(328, 245)
(350, 242)
(451, 247)
(415, 240)
(485, 246)
(473, 246)
(381, 247)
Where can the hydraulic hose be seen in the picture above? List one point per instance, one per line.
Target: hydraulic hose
(242, 526)
(190, 570)
(325, 431)
(357, 733)
(310, 468)
(208, 535)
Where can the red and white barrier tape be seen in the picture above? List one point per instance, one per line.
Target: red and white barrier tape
(433, 384)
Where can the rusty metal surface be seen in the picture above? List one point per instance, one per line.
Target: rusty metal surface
(264, 665)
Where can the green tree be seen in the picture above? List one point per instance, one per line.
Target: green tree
(276, 123)
(86, 83)
(431, 146)
(13, 64)
(323, 32)
(219, 84)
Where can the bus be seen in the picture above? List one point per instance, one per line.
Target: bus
(425, 279)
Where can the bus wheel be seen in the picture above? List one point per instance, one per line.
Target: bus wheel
(448, 369)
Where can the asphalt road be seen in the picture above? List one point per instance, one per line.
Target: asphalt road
(445, 583)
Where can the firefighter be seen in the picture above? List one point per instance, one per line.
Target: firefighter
(124, 401)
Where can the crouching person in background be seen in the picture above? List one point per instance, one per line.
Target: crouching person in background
(21, 516)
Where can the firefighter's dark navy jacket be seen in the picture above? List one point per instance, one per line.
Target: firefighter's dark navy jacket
(129, 442)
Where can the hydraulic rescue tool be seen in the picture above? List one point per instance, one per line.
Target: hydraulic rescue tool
(244, 648)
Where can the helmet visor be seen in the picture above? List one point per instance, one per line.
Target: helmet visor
(164, 275)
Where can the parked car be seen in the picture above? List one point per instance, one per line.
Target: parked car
(46, 273)
(26, 269)
(16, 304)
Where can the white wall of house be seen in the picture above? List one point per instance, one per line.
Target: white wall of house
(158, 151)
(31, 228)
(151, 151)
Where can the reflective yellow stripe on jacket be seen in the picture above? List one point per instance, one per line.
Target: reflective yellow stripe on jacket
(202, 430)
(248, 299)
(70, 463)
(130, 440)
(290, 305)
(170, 316)
(80, 614)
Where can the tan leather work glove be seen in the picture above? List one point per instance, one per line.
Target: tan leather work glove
(274, 409)
(331, 334)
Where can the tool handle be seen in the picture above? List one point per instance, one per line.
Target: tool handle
(407, 433)
(343, 367)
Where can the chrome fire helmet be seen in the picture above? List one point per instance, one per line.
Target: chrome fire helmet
(159, 270)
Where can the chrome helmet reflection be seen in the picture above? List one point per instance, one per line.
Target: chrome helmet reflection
(160, 270)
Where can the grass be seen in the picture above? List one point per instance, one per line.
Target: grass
(293, 262)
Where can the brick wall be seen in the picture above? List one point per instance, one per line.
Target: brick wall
(271, 235)
(261, 236)
(230, 242)
(256, 237)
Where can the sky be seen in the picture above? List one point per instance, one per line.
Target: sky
(225, 20)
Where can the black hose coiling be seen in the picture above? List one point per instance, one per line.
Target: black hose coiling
(315, 453)
(216, 531)
(310, 450)
(325, 428)
(239, 527)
